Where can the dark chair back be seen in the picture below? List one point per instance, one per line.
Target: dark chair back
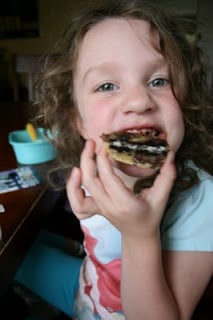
(30, 65)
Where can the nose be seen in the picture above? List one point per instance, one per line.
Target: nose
(137, 99)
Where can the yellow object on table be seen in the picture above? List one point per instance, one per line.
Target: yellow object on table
(31, 131)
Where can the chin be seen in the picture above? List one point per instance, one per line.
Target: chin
(135, 171)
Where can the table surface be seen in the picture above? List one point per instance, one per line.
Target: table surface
(24, 209)
(13, 116)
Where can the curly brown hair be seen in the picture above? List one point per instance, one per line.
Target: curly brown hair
(187, 68)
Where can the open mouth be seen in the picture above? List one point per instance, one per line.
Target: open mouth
(151, 132)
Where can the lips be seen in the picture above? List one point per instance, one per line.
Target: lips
(147, 131)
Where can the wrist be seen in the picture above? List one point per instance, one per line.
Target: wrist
(142, 243)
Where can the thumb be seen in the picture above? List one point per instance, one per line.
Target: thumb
(164, 181)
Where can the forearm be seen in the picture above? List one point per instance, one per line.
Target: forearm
(145, 294)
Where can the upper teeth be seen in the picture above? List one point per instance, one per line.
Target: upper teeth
(145, 131)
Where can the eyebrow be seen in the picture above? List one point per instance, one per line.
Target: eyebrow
(158, 63)
(111, 67)
(100, 68)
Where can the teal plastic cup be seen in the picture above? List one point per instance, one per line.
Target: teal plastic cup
(31, 152)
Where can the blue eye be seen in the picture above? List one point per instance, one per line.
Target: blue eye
(108, 86)
(159, 82)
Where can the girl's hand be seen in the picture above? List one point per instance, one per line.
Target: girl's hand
(133, 215)
(83, 205)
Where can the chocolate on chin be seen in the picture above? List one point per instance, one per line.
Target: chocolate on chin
(142, 150)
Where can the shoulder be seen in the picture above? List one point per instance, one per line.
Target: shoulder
(187, 224)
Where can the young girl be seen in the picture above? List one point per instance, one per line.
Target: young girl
(128, 66)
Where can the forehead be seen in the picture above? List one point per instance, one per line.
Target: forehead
(114, 26)
(115, 36)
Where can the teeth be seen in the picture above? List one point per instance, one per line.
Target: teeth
(145, 131)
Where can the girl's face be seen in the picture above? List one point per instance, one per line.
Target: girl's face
(122, 83)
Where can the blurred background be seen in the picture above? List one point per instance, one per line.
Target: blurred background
(31, 27)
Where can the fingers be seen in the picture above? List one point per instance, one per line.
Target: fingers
(89, 170)
(112, 183)
(87, 161)
(167, 174)
(105, 187)
(109, 195)
(164, 182)
(82, 205)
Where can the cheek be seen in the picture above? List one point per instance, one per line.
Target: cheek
(96, 119)
(181, 134)
(93, 127)
(177, 132)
